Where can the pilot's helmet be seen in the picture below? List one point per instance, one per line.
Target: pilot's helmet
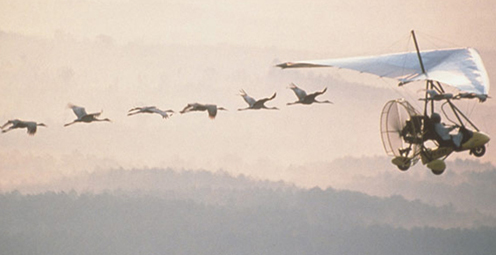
(436, 118)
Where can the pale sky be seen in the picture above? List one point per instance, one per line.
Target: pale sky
(115, 55)
(323, 26)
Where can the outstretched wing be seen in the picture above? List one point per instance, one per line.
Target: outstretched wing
(262, 101)
(318, 93)
(461, 68)
(31, 126)
(79, 111)
(164, 114)
(301, 94)
(249, 100)
(212, 111)
(95, 114)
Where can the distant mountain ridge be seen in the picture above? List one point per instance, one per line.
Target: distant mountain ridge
(201, 216)
(283, 222)
(223, 189)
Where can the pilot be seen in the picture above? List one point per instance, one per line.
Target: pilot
(444, 132)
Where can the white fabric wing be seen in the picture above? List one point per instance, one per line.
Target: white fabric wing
(461, 68)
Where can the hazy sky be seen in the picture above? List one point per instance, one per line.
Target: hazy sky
(253, 143)
(324, 26)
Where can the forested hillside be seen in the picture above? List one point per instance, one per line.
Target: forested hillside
(208, 213)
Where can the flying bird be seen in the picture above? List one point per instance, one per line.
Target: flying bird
(303, 98)
(150, 109)
(256, 104)
(210, 108)
(30, 125)
(82, 116)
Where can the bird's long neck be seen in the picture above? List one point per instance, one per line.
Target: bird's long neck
(323, 102)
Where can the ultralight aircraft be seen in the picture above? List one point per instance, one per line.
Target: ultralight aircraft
(410, 135)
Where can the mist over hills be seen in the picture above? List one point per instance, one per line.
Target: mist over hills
(466, 187)
(163, 211)
(467, 184)
(223, 189)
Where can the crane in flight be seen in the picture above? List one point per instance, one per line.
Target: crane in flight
(256, 104)
(29, 125)
(82, 116)
(150, 109)
(210, 108)
(303, 98)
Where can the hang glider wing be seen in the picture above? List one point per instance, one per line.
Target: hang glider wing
(461, 68)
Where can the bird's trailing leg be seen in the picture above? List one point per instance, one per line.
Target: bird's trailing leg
(6, 130)
(6, 124)
(68, 124)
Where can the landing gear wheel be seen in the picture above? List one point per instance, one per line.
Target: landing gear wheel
(437, 166)
(437, 171)
(405, 166)
(479, 151)
(403, 163)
